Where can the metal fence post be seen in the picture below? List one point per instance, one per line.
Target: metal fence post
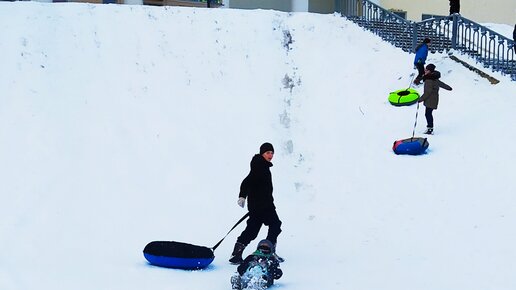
(455, 31)
(414, 36)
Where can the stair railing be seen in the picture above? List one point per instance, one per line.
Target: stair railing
(447, 33)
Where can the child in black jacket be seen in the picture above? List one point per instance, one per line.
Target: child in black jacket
(257, 189)
(258, 270)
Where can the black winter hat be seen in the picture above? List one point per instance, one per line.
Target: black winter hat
(266, 147)
(265, 246)
(430, 67)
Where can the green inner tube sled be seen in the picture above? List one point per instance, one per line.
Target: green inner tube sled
(404, 97)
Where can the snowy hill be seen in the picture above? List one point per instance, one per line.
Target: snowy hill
(120, 125)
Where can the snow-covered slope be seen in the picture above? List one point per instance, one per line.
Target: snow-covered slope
(120, 125)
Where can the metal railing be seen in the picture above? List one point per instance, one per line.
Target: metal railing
(453, 32)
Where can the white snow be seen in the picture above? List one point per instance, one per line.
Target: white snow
(121, 125)
(503, 29)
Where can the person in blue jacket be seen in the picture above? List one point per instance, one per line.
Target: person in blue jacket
(420, 59)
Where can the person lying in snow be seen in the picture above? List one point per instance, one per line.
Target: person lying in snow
(258, 270)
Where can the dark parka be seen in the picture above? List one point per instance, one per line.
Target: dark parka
(257, 186)
(268, 261)
(454, 6)
(430, 95)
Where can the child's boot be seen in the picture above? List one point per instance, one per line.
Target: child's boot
(236, 256)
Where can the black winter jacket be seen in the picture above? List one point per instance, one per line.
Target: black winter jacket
(454, 6)
(257, 186)
(266, 261)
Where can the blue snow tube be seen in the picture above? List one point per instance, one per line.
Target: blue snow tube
(410, 146)
(178, 255)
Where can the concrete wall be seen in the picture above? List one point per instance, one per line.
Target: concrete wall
(481, 11)
(300, 5)
(322, 6)
(281, 5)
(316, 6)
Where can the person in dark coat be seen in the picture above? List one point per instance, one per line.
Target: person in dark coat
(430, 97)
(454, 6)
(420, 59)
(257, 189)
(514, 37)
(261, 262)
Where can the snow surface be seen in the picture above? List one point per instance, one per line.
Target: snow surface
(121, 125)
(503, 29)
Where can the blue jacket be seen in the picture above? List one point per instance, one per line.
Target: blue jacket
(421, 54)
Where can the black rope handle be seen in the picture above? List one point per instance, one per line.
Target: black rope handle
(238, 222)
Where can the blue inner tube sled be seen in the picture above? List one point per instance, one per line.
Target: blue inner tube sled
(184, 256)
(178, 255)
(410, 146)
